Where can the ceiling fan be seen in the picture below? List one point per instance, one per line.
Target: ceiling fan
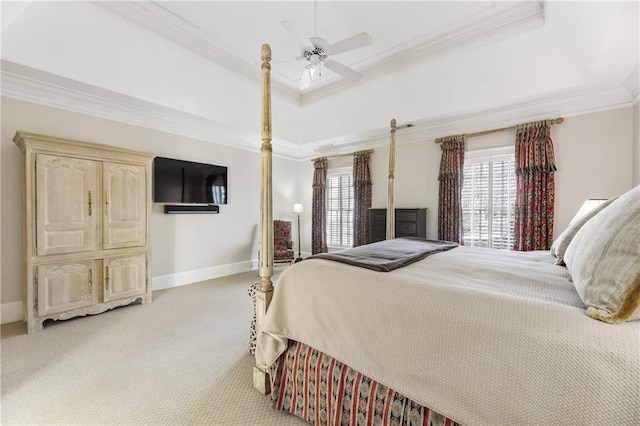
(316, 51)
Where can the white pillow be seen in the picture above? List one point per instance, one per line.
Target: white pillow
(559, 246)
(604, 260)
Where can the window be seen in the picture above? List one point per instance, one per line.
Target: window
(340, 207)
(488, 198)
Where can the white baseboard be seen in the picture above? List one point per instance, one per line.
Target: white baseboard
(189, 277)
(12, 311)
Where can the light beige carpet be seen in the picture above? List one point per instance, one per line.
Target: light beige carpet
(179, 360)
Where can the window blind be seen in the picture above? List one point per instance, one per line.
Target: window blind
(340, 208)
(488, 198)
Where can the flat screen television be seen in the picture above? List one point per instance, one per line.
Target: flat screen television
(178, 181)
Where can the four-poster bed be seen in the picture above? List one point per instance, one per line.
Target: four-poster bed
(475, 336)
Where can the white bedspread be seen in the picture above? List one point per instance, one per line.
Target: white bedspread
(482, 336)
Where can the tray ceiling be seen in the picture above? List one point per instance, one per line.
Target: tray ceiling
(444, 66)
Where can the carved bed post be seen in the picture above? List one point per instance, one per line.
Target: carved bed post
(265, 292)
(391, 211)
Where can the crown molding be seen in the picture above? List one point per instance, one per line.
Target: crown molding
(39, 87)
(479, 30)
(36, 86)
(566, 104)
(159, 20)
(632, 83)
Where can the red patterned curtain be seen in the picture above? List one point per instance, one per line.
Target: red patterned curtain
(361, 197)
(450, 193)
(319, 207)
(535, 167)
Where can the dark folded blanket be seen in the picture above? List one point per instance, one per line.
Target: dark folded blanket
(385, 256)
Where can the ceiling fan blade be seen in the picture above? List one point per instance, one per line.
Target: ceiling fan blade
(343, 70)
(358, 40)
(300, 37)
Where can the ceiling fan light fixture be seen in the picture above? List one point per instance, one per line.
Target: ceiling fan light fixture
(309, 74)
(316, 50)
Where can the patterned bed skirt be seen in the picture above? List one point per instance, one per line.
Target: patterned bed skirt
(300, 386)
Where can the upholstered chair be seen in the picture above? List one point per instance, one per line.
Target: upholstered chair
(282, 244)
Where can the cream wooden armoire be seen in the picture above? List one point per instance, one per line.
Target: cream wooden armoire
(87, 211)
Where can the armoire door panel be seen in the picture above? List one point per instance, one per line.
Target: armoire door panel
(66, 190)
(124, 205)
(66, 287)
(125, 277)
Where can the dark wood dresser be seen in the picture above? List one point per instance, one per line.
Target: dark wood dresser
(409, 223)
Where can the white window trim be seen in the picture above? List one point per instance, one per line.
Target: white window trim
(339, 171)
(347, 170)
(498, 154)
(490, 154)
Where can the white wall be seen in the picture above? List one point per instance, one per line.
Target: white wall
(594, 155)
(598, 155)
(305, 182)
(185, 248)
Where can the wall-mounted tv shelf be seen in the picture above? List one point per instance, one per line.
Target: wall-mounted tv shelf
(191, 209)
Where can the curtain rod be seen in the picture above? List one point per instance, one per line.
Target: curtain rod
(558, 120)
(366, 151)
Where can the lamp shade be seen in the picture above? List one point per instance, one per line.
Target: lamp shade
(297, 208)
(587, 206)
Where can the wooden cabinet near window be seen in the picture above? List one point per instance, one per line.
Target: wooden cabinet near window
(87, 210)
(408, 223)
